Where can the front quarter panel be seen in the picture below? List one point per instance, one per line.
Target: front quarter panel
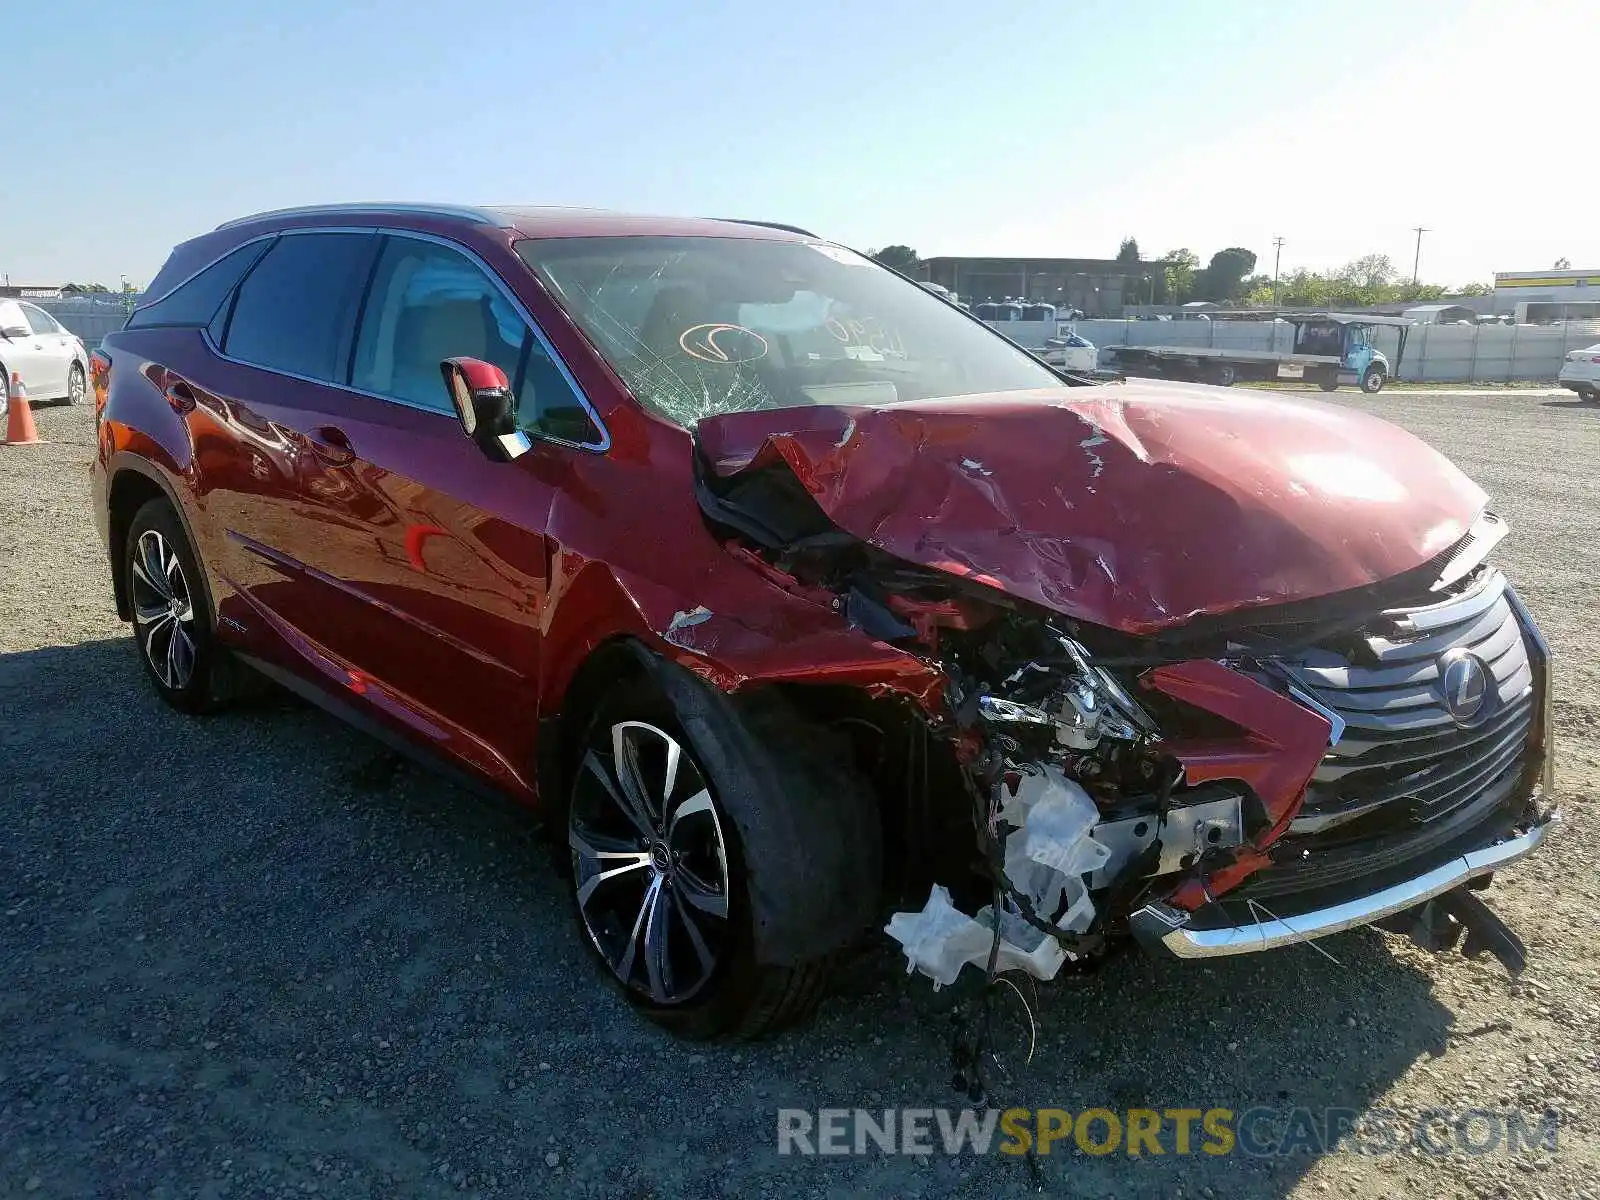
(139, 431)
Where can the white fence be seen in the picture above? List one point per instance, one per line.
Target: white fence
(90, 317)
(1434, 353)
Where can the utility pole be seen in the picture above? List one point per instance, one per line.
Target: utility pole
(1416, 263)
(1277, 253)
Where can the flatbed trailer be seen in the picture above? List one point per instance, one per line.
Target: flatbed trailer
(1347, 354)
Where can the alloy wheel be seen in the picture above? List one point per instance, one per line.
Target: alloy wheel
(649, 862)
(163, 611)
(75, 386)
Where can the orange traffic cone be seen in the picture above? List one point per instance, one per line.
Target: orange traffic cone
(19, 417)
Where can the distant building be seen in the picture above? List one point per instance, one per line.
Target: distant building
(24, 291)
(1097, 286)
(1542, 297)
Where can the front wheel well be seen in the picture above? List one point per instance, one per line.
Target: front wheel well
(924, 811)
(130, 491)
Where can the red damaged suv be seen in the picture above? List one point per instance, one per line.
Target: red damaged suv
(804, 605)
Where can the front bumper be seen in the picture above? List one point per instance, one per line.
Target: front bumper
(1165, 930)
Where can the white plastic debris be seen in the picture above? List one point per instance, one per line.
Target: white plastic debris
(941, 939)
(1046, 860)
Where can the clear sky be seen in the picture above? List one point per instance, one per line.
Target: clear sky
(958, 128)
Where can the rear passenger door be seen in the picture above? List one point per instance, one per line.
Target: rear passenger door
(286, 331)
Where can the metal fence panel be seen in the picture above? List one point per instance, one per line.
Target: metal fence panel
(90, 317)
(1434, 353)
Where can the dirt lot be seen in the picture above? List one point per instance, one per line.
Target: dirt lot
(256, 955)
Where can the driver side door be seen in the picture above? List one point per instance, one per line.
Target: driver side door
(437, 555)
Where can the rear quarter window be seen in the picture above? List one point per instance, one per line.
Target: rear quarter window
(295, 311)
(196, 302)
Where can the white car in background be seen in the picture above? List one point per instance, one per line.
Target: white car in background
(1581, 372)
(53, 363)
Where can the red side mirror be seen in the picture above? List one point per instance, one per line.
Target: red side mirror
(481, 395)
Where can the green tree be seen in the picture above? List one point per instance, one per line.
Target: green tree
(1223, 278)
(1178, 275)
(1128, 252)
(897, 258)
(1365, 282)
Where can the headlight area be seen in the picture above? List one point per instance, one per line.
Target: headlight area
(1097, 786)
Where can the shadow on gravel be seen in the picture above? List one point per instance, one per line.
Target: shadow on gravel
(256, 952)
(1589, 404)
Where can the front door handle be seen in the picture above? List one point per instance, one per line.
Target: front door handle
(332, 445)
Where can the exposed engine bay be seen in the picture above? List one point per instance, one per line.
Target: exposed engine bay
(1117, 784)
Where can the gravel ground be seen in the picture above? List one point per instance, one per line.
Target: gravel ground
(257, 955)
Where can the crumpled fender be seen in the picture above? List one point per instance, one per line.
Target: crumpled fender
(747, 631)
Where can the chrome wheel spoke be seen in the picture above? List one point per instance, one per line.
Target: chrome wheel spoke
(144, 614)
(650, 869)
(697, 939)
(162, 610)
(696, 805)
(701, 894)
(172, 572)
(638, 819)
(657, 961)
(625, 965)
(180, 655)
(150, 566)
(158, 659)
(630, 778)
(609, 857)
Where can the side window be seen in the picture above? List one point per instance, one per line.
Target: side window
(196, 302)
(295, 310)
(40, 321)
(428, 303)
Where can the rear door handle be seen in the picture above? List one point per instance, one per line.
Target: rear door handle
(332, 445)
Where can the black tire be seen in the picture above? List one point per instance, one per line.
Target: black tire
(1223, 374)
(183, 678)
(76, 384)
(738, 754)
(1372, 380)
(1328, 385)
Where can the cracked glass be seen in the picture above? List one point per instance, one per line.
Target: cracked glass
(701, 327)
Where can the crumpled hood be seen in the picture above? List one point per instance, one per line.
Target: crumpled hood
(1138, 506)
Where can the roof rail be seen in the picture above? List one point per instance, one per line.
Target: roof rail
(769, 225)
(478, 216)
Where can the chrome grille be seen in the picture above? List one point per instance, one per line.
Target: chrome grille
(1401, 746)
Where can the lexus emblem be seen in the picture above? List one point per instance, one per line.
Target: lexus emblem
(1464, 684)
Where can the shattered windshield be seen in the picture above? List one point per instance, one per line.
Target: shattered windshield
(703, 326)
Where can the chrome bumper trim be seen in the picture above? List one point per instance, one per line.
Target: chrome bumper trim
(1164, 930)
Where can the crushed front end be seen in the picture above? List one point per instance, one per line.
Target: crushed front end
(1232, 675)
(1367, 761)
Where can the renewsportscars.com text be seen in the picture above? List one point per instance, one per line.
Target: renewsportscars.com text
(1257, 1132)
